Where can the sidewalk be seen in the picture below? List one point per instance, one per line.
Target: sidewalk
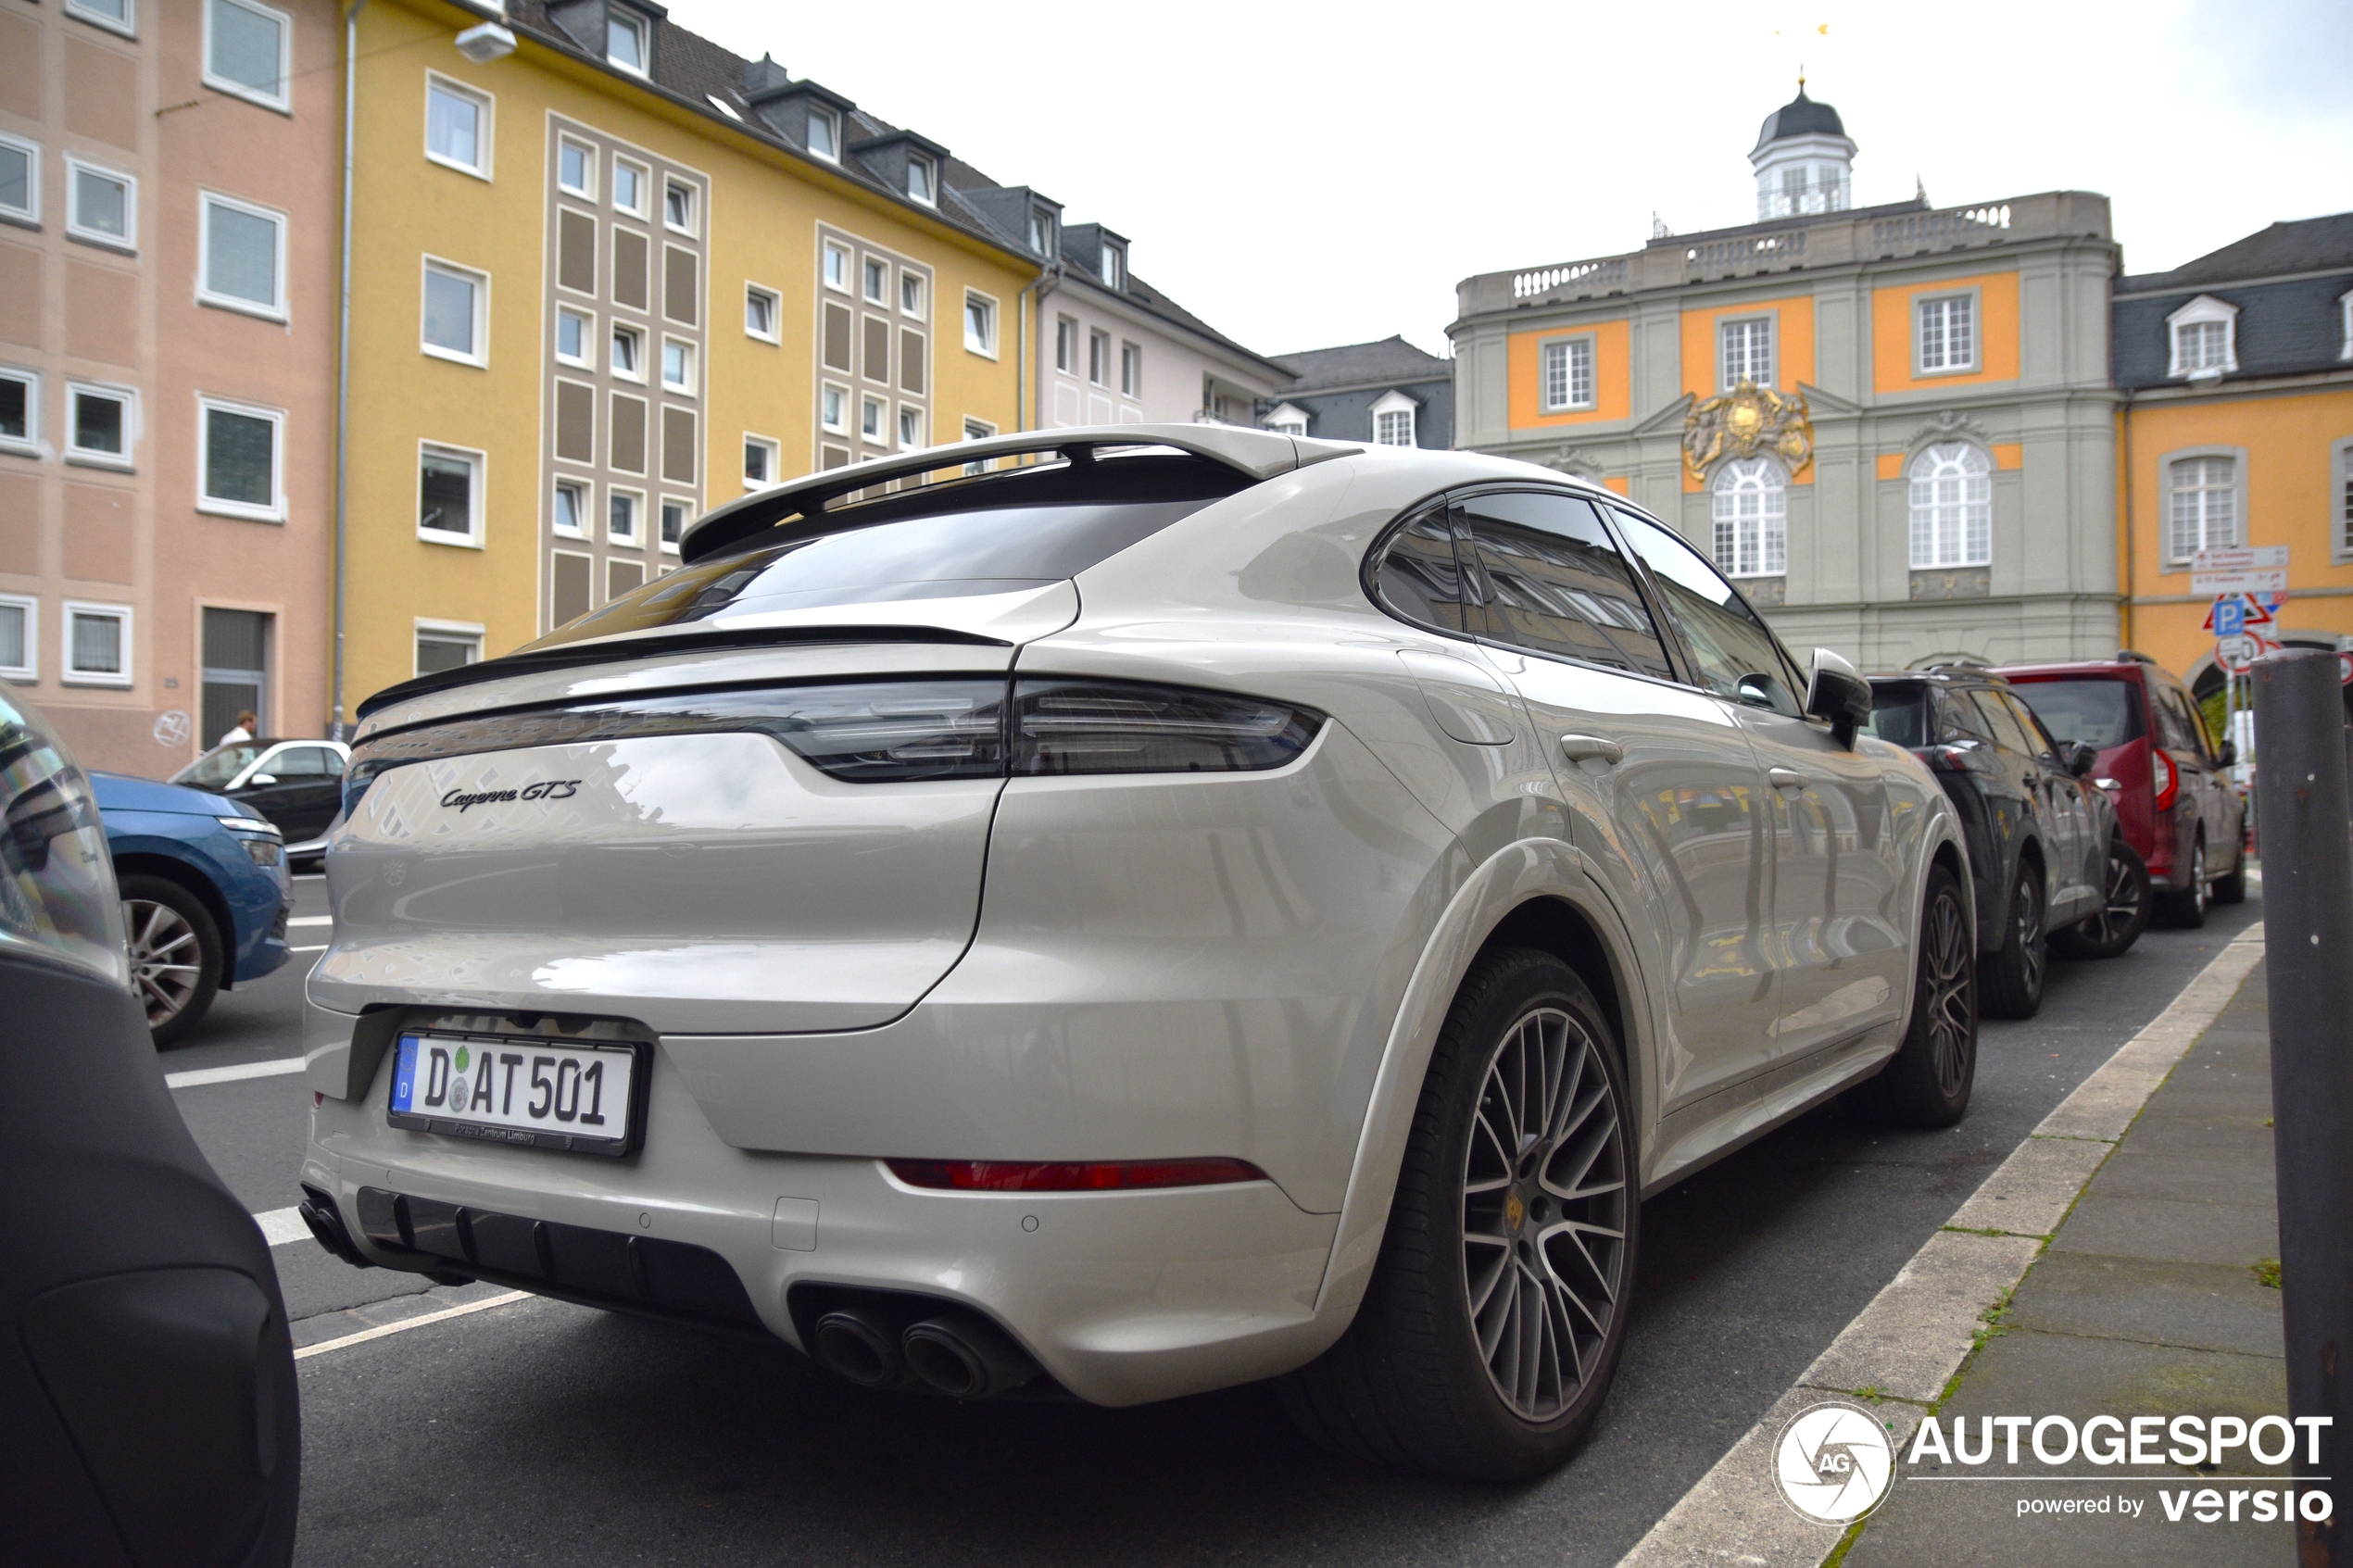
(2149, 1300)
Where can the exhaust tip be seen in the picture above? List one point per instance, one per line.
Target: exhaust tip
(854, 1346)
(965, 1357)
(318, 1212)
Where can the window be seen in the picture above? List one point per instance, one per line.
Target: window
(575, 331)
(980, 323)
(571, 509)
(1952, 507)
(449, 495)
(1733, 654)
(620, 515)
(2340, 487)
(19, 411)
(1947, 332)
(1556, 583)
(454, 302)
(456, 127)
(116, 15)
(678, 207)
(1393, 420)
(1114, 267)
(240, 461)
(244, 252)
(870, 419)
(1747, 351)
(2344, 304)
(628, 353)
(1751, 506)
(1290, 427)
(761, 313)
(1131, 370)
(101, 206)
(911, 428)
(2204, 332)
(441, 647)
(911, 294)
(19, 179)
(824, 136)
(1420, 575)
(877, 281)
(19, 637)
(99, 425)
(836, 267)
(1098, 358)
(625, 40)
(978, 430)
(679, 366)
(1041, 231)
(1568, 374)
(1065, 342)
(760, 462)
(249, 51)
(575, 168)
(919, 181)
(674, 524)
(97, 645)
(833, 408)
(2201, 505)
(723, 106)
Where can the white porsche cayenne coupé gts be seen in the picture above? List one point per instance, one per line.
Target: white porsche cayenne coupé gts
(1118, 912)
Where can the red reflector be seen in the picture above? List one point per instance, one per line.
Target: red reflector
(1070, 1175)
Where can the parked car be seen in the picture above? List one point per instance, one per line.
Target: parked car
(1398, 862)
(2169, 777)
(2049, 862)
(204, 895)
(295, 783)
(147, 1379)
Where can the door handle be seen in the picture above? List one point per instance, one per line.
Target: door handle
(1787, 778)
(1581, 749)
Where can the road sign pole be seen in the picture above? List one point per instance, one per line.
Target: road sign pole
(2308, 925)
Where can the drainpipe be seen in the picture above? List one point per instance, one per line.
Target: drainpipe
(2128, 518)
(1043, 284)
(343, 345)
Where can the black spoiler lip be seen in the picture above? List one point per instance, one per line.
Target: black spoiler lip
(617, 650)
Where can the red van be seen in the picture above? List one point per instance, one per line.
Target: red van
(2174, 799)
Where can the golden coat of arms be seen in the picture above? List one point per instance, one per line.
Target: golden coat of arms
(1744, 422)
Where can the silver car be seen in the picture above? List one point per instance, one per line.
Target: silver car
(1122, 912)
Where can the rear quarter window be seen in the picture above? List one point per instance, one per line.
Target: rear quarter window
(2098, 713)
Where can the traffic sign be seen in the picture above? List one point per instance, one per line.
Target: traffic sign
(2344, 669)
(2238, 654)
(2261, 569)
(2229, 617)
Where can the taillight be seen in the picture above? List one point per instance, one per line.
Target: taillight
(2166, 777)
(1116, 727)
(1070, 1175)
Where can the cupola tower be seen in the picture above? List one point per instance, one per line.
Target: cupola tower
(1803, 160)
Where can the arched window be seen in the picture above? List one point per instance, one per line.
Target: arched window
(1751, 518)
(1952, 507)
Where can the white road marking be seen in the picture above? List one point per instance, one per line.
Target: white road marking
(195, 1076)
(405, 1324)
(311, 919)
(282, 1225)
(320, 948)
(1915, 1333)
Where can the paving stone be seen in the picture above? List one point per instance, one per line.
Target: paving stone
(2136, 1171)
(2206, 1306)
(2180, 1233)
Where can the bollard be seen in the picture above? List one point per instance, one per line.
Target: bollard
(2308, 927)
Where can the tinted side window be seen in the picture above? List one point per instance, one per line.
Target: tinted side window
(1558, 584)
(1417, 577)
(2173, 731)
(1899, 715)
(2192, 723)
(1958, 717)
(1733, 654)
(2024, 716)
(307, 762)
(2002, 726)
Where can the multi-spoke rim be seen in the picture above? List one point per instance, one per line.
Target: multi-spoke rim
(1944, 977)
(2125, 893)
(1544, 1211)
(2197, 876)
(2031, 956)
(166, 962)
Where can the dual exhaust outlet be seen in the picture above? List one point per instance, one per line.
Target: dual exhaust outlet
(950, 1351)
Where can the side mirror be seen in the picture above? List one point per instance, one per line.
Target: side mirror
(260, 779)
(1839, 694)
(2082, 758)
(2228, 755)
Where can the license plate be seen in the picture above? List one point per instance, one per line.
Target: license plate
(532, 1093)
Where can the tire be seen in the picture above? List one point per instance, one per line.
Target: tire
(2185, 910)
(1480, 1250)
(2015, 977)
(2232, 889)
(1927, 1082)
(2123, 915)
(168, 927)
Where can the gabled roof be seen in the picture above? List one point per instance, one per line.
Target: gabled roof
(2307, 245)
(1391, 359)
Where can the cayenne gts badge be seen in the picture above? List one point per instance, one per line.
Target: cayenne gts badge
(553, 789)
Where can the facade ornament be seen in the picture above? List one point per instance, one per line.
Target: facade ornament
(1574, 462)
(1950, 424)
(1747, 420)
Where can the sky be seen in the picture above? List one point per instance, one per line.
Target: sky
(1301, 176)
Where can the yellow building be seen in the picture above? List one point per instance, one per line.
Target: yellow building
(2236, 429)
(605, 275)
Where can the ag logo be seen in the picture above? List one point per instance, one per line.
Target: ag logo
(1833, 1462)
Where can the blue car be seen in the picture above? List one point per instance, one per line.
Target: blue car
(204, 895)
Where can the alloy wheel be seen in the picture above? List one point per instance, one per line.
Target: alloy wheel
(166, 958)
(1951, 1037)
(2200, 893)
(2122, 906)
(2032, 956)
(1544, 1211)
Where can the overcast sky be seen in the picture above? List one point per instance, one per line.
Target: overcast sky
(1301, 176)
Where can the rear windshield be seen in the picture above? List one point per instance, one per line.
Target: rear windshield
(2100, 713)
(1899, 714)
(998, 535)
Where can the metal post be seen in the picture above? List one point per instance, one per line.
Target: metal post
(2308, 927)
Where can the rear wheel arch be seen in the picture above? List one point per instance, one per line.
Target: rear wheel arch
(1552, 925)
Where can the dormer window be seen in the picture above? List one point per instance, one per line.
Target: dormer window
(1041, 231)
(1114, 268)
(919, 181)
(2345, 326)
(2205, 339)
(824, 135)
(625, 40)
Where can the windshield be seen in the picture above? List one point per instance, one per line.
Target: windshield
(1899, 714)
(217, 766)
(2101, 713)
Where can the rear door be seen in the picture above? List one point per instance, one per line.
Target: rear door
(2016, 781)
(2079, 864)
(309, 786)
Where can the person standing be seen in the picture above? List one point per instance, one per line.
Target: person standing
(240, 731)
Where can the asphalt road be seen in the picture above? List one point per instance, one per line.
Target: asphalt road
(540, 1431)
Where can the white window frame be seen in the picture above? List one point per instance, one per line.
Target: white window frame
(276, 511)
(1131, 370)
(284, 101)
(586, 189)
(587, 494)
(1389, 405)
(636, 27)
(1288, 419)
(2341, 502)
(1566, 350)
(768, 446)
(29, 214)
(2236, 458)
(918, 165)
(910, 280)
(31, 669)
(636, 536)
(1726, 381)
(985, 344)
(645, 185)
(1949, 502)
(1111, 267)
(128, 242)
(841, 425)
(2345, 325)
(1921, 369)
(686, 521)
(898, 428)
(275, 310)
(480, 358)
(473, 539)
(831, 123)
(2204, 310)
(1761, 477)
(447, 632)
(123, 461)
(875, 265)
(1098, 358)
(587, 359)
(694, 217)
(485, 108)
(128, 26)
(29, 443)
(69, 676)
(775, 333)
(824, 267)
(978, 430)
(876, 431)
(1066, 345)
(691, 385)
(637, 375)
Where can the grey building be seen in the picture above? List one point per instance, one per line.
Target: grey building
(1388, 392)
(1892, 424)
